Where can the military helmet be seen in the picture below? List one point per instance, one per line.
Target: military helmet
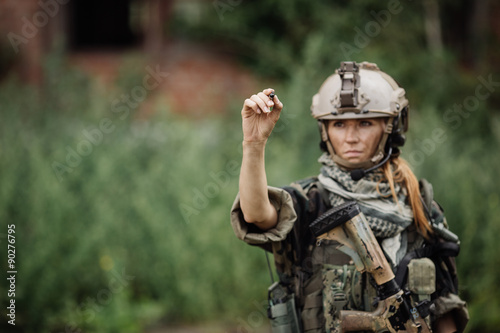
(360, 91)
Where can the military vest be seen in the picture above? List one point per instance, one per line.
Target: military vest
(324, 280)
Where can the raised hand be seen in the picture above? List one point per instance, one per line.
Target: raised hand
(258, 120)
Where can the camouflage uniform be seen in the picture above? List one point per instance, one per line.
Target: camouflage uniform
(323, 279)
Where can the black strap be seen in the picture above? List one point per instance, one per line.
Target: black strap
(442, 249)
(426, 195)
(269, 267)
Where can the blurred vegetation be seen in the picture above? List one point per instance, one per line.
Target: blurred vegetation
(138, 231)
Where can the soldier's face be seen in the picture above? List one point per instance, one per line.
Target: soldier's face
(356, 140)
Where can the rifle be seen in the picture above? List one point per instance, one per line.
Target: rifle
(395, 312)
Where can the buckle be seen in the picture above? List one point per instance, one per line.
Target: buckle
(339, 301)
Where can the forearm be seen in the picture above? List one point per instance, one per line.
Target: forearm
(254, 199)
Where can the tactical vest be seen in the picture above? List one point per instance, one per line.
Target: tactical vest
(324, 280)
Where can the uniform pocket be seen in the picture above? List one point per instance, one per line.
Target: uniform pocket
(282, 310)
(340, 291)
(312, 313)
(284, 317)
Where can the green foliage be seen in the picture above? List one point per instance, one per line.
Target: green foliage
(104, 245)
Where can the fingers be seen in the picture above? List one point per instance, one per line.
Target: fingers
(262, 103)
(274, 102)
(250, 105)
(266, 96)
(278, 106)
(266, 101)
(268, 91)
(255, 104)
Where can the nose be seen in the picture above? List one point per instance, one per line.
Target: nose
(351, 134)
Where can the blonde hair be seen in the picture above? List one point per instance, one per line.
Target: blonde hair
(398, 171)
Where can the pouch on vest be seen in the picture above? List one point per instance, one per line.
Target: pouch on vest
(422, 278)
(282, 311)
(421, 283)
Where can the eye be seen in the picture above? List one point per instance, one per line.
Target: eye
(366, 123)
(338, 123)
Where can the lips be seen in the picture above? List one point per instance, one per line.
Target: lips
(352, 153)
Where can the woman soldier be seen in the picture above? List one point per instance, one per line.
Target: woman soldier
(362, 115)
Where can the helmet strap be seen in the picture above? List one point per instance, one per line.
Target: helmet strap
(381, 151)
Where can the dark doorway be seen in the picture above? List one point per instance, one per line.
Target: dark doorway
(100, 24)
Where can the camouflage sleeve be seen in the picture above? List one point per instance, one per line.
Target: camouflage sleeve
(251, 234)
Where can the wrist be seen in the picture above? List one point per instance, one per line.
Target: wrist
(254, 144)
(254, 150)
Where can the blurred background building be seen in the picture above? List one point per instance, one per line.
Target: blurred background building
(33, 27)
(96, 35)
